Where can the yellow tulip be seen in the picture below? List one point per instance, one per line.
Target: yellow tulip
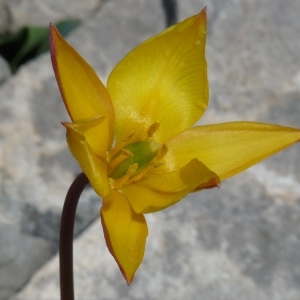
(134, 139)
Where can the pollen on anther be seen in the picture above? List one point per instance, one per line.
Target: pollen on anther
(152, 129)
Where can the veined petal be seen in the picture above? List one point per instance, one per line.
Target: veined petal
(125, 233)
(164, 80)
(92, 164)
(229, 148)
(158, 191)
(83, 93)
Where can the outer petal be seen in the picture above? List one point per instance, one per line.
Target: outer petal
(82, 91)
(158, 191)
(229, 148)
(163, 80)
(125, 233)
(89, 152)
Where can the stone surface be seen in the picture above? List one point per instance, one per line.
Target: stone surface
(17, 13)
(4, 70)
(16, 266)
(5, 17)
(237, 242)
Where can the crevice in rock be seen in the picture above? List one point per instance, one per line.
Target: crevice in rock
(171, 12)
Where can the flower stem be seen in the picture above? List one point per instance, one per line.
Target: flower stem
(66, 236)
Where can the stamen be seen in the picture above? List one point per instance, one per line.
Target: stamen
(124, 155)
(161, 152)
(132, 169)
(152, 129)
(139, 175)
(117, 183)
(157, 165)
(129, 136)
(119, 147)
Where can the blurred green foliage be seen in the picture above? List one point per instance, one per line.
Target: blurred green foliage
(29, 42)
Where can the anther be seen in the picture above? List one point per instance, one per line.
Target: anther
(152, 129)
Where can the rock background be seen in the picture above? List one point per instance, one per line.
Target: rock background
(17, 13)
(241, 241)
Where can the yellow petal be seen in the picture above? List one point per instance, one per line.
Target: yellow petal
(229, 148)
(125, 233)
(96, 132)
(83, 93)
(91, 162)
(158, 191)
(164, 80)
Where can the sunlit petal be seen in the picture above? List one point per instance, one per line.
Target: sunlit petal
(92, 164)
(229, 148)
(82, 91)
(163, 80)
(125, 233)
(158, 191)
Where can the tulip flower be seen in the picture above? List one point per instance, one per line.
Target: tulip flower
(134, 139)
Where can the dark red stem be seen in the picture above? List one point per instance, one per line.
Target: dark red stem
(66, 237)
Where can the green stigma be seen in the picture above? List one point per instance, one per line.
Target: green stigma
(143, 153)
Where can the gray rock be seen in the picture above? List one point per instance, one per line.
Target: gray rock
(4, 70)
(237, 242)
(18, 13)
(5, 17)
(16, 266)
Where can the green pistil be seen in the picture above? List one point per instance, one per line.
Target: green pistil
(143, 153)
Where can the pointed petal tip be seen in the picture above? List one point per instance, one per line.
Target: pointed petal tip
(81, 89)
(52, 32)
(203, 11)
(128, 279)
(201, 17)
(129, 282)
(125, 233)
(53, 53)
(215, 182)
(67, 124)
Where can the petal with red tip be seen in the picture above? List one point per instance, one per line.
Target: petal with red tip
(125, 233)
(83, 93)
(164, 80)
(157, 191)
(228, 148)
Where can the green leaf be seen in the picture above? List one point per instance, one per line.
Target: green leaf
(29, 42)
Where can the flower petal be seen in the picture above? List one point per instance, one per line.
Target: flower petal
(125, 233)
(229, 148)
(158, 191)
(83, 93)
(164, 80)
(96, 132)
(89, 152)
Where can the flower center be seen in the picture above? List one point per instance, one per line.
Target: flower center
(129, 162)
(133, 158)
